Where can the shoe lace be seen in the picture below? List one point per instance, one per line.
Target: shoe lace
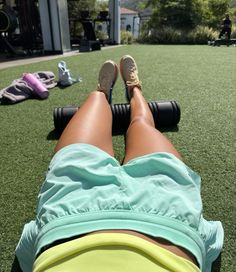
(134, 80)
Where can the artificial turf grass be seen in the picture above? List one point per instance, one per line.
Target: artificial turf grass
(201, 78)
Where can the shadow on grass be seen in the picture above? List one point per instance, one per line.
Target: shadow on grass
(55, 134)
(169, 129)
(15, 266)
(216, 267)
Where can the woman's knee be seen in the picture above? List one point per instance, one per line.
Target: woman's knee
(140, 121)
(96, 95)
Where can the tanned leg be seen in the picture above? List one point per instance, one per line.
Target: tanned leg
(92, 124)
(142, 137)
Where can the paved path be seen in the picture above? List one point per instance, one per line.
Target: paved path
(17, 62)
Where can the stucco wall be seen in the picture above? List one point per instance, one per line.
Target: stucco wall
(130, 21)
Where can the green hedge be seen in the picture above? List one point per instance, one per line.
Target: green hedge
(170, 35)
(202, 34)
(233, 34)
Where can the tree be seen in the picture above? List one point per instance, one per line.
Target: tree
(101, 5)
(187, 14)
(178, 13)
(216, 11)
(76, 6)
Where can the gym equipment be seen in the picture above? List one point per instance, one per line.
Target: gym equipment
(219, 42)
(90, 41)
(8, 24)
(166, 114)
(20, 30)
(104, 23)
(8, 21)
(5, 45)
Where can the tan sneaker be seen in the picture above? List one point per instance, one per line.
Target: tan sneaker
(107, 77)
(129, 73)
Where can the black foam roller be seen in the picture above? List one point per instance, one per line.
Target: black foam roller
(166, 114)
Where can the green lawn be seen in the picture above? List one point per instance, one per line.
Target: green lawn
(201, 78)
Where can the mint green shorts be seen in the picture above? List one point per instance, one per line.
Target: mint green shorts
(86, 190)
(82, 178)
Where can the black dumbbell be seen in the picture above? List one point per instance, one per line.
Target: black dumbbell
(166, 114)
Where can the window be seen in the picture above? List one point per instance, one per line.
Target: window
(128, 28)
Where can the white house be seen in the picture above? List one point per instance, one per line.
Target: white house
(129, 21)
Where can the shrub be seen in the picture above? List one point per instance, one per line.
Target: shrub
(126, 37)
(233, 33)
(202, 34)
(170, 35)
(164, 35)
(101, 35)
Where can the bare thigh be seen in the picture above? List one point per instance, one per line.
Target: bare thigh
(142, 137)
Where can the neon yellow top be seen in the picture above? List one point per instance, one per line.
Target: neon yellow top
(105, 252)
